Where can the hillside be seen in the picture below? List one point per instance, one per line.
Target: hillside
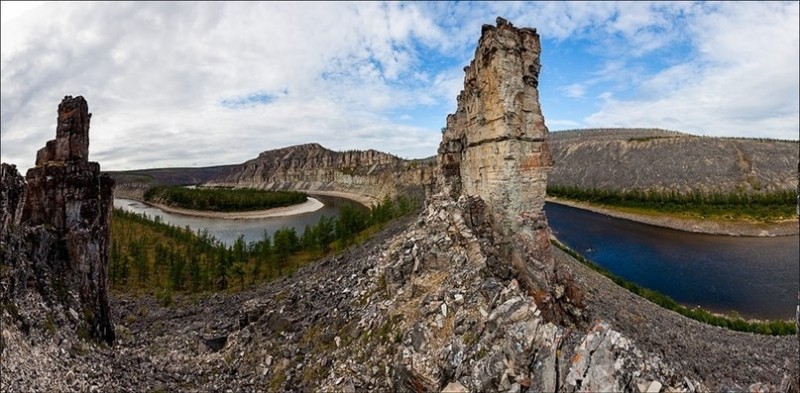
(368, 174)
(613, 159)
(627, 159)
(468, 296)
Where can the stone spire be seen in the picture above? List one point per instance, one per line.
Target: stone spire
(67, 206)
(495, 148)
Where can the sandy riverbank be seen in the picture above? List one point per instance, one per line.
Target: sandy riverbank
(308, 206)
(728, 228)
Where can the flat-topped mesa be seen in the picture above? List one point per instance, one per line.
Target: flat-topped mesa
(68, 203)
(495, 147)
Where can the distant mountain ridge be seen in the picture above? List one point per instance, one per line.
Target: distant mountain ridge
(651, 159)
(171, 176)
(311, 167)
(618, 159)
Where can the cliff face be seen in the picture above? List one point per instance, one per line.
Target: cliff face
(665, 161)
(55, 227)
(311, 167)
(495, 148)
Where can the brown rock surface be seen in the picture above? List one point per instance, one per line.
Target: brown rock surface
(311, 167)
(658, 160)
(495, 147)
(428, 304)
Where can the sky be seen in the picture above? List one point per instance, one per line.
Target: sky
(200, 84)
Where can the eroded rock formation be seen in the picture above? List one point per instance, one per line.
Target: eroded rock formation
(495, 148)
(369, 174)
(55, 225)
(429, 304)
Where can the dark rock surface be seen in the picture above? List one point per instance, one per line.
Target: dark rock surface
(55, 229)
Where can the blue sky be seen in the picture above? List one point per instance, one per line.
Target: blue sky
(195, 84)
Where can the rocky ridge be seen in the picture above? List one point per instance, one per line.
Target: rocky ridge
(439, 304)
(627, 159)
(54, 244)
(311, 167)
(446, 301)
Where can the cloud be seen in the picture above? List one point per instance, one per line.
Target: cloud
(575, 90)
(743, 81)
(173, 83)
(170, 73)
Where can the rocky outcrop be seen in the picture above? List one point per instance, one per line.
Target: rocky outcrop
(12, 195)
(628, 159)
(445, 301)
(495, 148)
(55, 227)
(311, 167)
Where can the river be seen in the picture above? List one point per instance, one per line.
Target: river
(227, 230)
(756, 277)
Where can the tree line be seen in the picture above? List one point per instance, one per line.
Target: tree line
(764, 206)
(223, 199)
(149, 256)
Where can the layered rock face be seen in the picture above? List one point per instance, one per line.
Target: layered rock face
(495, 148)
(658, 160)
(311, 167)
(64, 215)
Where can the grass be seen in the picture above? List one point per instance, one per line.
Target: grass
(773, 327)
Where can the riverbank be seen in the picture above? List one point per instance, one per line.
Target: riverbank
(366, 201)
(128, 191)
(308, 206)
(711, 227)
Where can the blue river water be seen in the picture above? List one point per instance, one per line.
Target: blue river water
(756, 277)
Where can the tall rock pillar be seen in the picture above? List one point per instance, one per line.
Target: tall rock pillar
(68, 206)
(495, 147)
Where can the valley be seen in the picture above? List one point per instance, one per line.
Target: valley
(463, 293)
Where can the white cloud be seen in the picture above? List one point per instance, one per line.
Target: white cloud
(159, 74)
(744, 81)
(575, 90)
(211, 83)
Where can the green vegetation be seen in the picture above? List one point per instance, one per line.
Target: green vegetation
(148, 256)
(771, 206)
(775, 327)
(223, 199)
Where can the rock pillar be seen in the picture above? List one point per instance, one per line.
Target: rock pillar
(495, 147)
(68, 206)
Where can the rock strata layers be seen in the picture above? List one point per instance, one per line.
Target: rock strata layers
(311, 167)
(495, 148)
(56, 228)
(657, 160)
(432, 303)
